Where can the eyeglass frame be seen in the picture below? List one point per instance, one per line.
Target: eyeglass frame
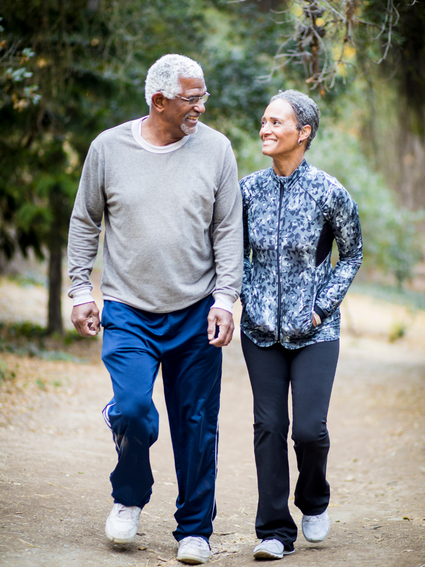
(199, 98)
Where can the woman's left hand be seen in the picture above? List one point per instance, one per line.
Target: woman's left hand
(316, 319)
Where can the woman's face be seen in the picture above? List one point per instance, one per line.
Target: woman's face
(278, 131)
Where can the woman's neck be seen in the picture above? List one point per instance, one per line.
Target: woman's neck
(285, 166)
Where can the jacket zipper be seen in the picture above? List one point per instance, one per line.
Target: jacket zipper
(279, 299)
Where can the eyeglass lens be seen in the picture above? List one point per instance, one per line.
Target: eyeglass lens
(196, 99)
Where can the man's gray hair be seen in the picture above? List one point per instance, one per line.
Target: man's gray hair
(305, 109)
(164, 75)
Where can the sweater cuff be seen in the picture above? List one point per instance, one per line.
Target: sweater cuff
(82, 296)
(222, 301)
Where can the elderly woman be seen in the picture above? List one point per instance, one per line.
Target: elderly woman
(291, 322)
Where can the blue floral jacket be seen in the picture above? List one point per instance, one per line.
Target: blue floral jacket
(289, 226)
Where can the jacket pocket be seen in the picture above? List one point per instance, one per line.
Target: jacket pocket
(296, 318)
(259, 311)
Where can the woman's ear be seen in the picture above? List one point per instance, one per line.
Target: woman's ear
(305, 132)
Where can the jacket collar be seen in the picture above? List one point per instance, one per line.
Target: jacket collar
(290, 181)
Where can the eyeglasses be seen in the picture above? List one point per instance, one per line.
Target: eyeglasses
(192, 100)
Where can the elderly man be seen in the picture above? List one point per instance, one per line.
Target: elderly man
(167, 188)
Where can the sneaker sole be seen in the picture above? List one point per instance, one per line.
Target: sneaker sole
(192, 560)
(115, 539)
(316, 540)
(268, 555)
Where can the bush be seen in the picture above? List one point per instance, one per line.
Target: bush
(25, 338)
(390, 236)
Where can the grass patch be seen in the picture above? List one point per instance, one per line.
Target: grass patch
(41, 384)
(413, 300)
(25, 338)
(27, 280)
(6, 375)
(397, 331)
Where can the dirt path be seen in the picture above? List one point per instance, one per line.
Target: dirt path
(56, 455)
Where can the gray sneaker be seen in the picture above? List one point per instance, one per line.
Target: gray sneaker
(122, 523)
(316, 528)
(193, 550)
(271, 549)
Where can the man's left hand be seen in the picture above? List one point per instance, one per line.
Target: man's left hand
(224, 321)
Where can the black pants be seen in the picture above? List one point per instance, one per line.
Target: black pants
(311, 371)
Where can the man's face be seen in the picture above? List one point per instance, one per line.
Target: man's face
(181, 116)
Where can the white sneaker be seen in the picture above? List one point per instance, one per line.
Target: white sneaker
(316, 528)
(271, 549)
(193, 550)
(121, 525)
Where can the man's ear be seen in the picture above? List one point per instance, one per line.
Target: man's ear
(158, 102)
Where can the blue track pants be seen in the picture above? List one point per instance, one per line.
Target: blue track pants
(135, 343)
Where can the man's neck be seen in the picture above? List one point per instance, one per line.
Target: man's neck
(157, 134)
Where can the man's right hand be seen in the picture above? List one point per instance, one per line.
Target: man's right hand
(86, 320)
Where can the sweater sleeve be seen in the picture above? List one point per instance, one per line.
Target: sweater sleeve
(342, 213)
(85, 225)
(227, 232)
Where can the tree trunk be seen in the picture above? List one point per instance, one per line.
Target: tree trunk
(55, 324)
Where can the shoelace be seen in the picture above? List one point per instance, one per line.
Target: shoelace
(195, 541)
(125, 512)
(312, 518)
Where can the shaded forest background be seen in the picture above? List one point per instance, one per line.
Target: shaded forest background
(68, 70)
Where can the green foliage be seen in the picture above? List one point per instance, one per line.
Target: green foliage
(239, 43)
(25, 338)
(391, 239)
(6, 374)
(27, 280)
(402, 54)
(89, 61)
(240, 99)
(23, 330)
(38, 159)
(397, 331)
(72, 69)
(250, 157)
(15, 87)
(413, 300)
(390, 236)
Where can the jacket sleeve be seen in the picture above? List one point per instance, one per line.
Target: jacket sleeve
(341, 211)
(85, 225)
(227, 233)
(246, 279)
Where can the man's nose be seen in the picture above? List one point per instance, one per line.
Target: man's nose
(199, 107)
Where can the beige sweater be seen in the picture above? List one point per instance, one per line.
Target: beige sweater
(172, 215)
